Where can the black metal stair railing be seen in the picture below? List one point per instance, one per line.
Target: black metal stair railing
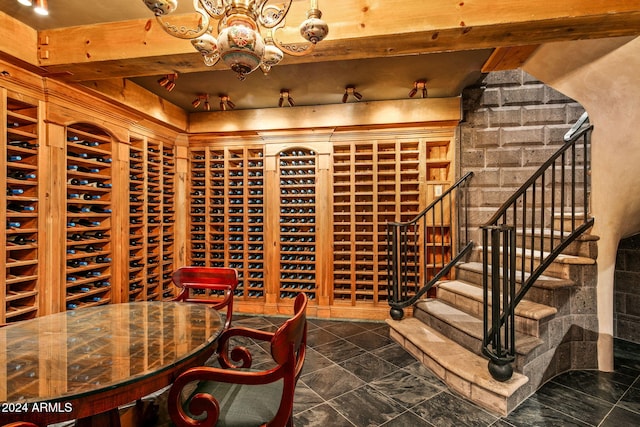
(525, 236)
(420, 252)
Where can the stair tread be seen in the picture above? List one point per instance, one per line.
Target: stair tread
(455, 358)
(543, 281)
(528, 309)
(471, 325)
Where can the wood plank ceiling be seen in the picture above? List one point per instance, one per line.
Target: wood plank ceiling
(381, 47)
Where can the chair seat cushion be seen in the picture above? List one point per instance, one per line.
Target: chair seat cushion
(243, 405)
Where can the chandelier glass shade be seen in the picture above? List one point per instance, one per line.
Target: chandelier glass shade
(238, 37)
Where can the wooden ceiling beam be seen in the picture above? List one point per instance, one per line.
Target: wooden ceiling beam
(357, 31)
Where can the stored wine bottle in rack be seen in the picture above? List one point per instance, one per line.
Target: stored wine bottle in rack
(168, 220)
(88, 254)
(22, 209)
(137, 220)
(245, 220)
(153, 272)
(198, 193)
(297, 172)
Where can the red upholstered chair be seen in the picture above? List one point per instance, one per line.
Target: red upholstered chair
(208, 279)
(235, 395)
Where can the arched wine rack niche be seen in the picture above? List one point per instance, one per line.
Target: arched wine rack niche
(89, 216)
(297, 224)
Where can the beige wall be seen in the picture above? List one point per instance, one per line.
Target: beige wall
(603, 76)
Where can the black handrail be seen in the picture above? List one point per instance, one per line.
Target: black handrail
(418, 251)
(551, 195)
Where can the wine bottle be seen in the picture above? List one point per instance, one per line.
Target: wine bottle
(85, 248)
(75, 236)
(79, 155)
(88, 223)
(23, 144)
(16, 174)
(20, 240)
(71, 306)
(13, 158)
(100, 209)
(78, 209)
(95, 235)
(91, 196)
(99, 184)
(13, 224)
(14, 191)
(87, 170)
(18, 207)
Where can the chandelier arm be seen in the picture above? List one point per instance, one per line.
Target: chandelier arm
(270, 15)
(293, 49)
(183, 32)
(215, 8)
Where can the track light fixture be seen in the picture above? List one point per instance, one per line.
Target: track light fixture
(168, 82)
(286, 95)
(419, 86)
(40, 7)
(351, 91)
(225, 103)
(202, 99)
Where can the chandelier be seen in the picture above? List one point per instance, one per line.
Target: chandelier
(238, 39)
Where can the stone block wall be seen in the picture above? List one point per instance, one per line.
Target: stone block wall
(512, 124)
(627, 290)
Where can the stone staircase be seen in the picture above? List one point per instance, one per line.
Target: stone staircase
(555, 327)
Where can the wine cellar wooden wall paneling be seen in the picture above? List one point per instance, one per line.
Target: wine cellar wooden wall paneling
(22, 208)
(89, 186)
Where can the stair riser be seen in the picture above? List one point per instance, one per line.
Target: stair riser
(537, 293)
(474, 308)
(471, 343)
(558, 268)
(582, 248)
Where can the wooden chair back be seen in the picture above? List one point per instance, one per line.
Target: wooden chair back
(207, 279)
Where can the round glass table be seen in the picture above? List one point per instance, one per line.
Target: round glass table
(79, 363)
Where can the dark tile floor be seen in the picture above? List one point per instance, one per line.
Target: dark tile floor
(355, 375)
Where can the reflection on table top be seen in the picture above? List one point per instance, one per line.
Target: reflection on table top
(74, 353)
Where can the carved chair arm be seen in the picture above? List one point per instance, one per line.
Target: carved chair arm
(200, 402)
(238, 353)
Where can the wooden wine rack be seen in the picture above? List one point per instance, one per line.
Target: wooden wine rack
(89, 247)
(168, 221)
(368, 183)
(151, 220)
(374, 183)
(297, 172)
(227, 214)
(137, 220)
(21, 210)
